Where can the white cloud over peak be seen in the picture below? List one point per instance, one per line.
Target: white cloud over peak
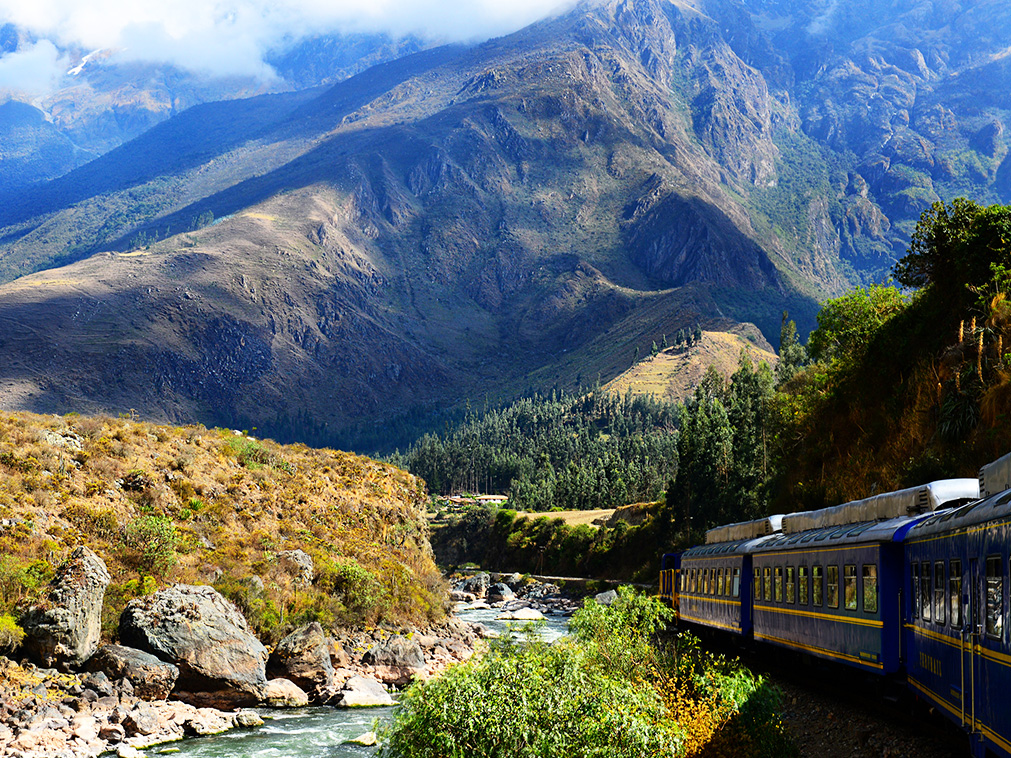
(229, 37)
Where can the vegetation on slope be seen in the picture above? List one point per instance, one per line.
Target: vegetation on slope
(903, 391)
(581, 451)
(617, 687)
(165, 504)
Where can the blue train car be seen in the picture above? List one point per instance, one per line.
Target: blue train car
(833, 592)
(670, 571)
(714, 580)
(956, 611)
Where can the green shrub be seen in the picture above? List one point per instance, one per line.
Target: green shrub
(530, 699)
(10, 634)
(150, 543)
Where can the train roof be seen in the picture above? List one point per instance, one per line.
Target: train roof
(888, 530)
(888, 505)
(731, 547)
(995, 477)
(744, 530)
(993, 508)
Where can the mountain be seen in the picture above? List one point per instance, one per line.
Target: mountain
(472, 222)
(674, 372)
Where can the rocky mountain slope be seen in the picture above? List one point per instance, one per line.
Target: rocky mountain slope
(470, 222)
(289, 533)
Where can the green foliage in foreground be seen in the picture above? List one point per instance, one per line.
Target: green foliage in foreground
(619, 686)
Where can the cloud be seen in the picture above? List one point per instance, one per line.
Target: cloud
(821, 23)
(35, 69)
(224, 37)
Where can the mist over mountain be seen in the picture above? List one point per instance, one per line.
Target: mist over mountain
(474, 221)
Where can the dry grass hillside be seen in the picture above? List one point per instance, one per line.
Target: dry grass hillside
(674, 373)
(164, 504)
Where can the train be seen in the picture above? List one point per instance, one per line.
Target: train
(912, 585)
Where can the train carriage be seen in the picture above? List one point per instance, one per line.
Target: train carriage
(830, 584)
(956, 611)
(715, 578)
(833, 592)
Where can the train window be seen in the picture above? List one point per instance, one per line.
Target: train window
(939, 592)
(850, 586)
(802, 584)
(955, 593)
(778, 586)
(691, 581)
(870, 577)
(719, 581)
(736, 589)
(816, 585)
(790, 587)
(994, 597)
(832, 586)
(757, 579)
(767, 581)
(915, 594)
(925, 602)
(705, 587)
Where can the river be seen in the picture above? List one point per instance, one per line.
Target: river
(319, 732)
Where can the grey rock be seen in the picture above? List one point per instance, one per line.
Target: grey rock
(361, 692)
(221, 663)
(65, 630)
(141, 720)
(298, 564)
(606, 598)
(99, 682)
(303, 657)
(476, 585)
(395, 651)
(150, 677)
(283, 693)
(499, 592)
(112, 733)
(248, 719)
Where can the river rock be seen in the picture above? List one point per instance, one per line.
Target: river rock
(500, 592)
(65, 629)
(248, 719)
(361, 692)
(396, 660)
(522, 614)
(303, 657)
(476, 585)
(606, 598)
(141, 720)
(151, 678)
(221, 663)
(283, 693)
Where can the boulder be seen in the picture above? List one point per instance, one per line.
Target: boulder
(303, 657)
(297, 564)
(282, 693)
(476, 585)
(500, 592)
(65, 629)
(396, 660)
(606, 598)
(152, 678)
(521, 614)
(221, 663)
(248, 719)
(141, 720)
(361, 692)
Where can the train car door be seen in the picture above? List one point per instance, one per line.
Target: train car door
(972, 636)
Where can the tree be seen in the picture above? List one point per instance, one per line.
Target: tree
(792, 355)
(846, 324)
(955, 249)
